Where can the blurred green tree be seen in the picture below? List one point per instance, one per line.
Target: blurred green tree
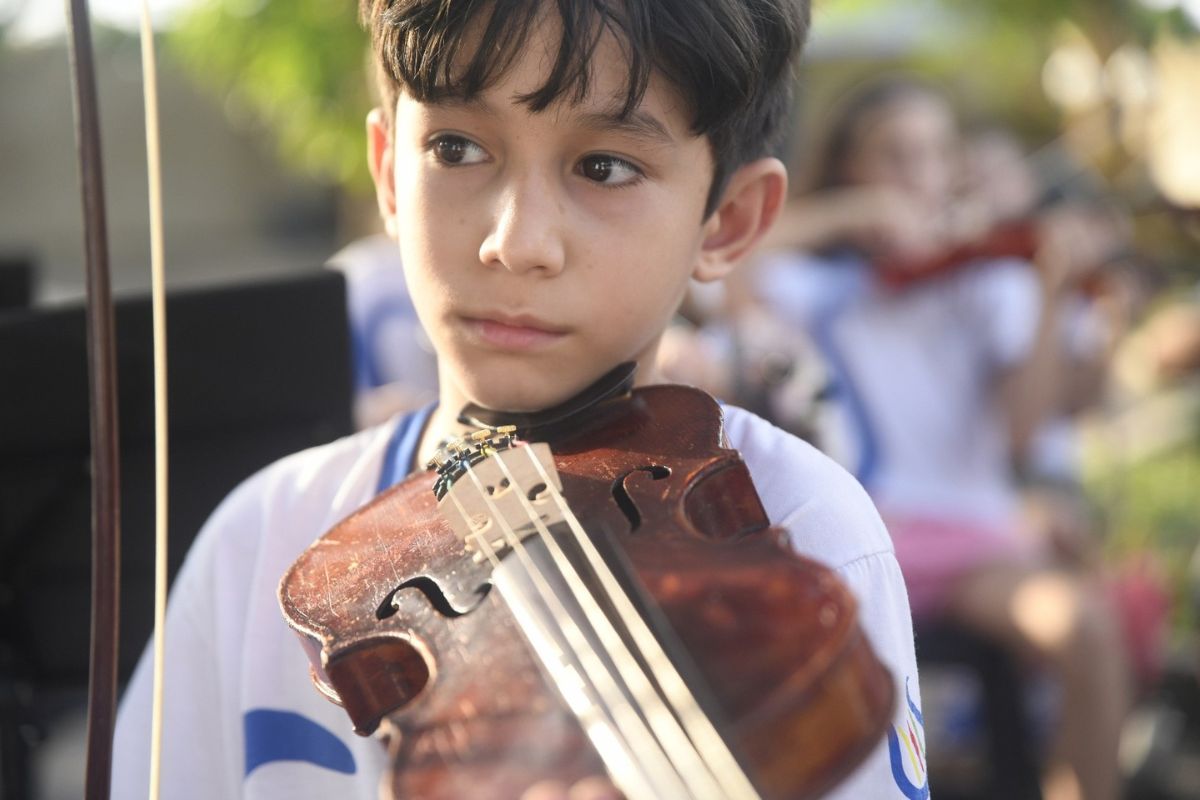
(293, 67)
(1150, 506)
(994, 53)
(297, 67)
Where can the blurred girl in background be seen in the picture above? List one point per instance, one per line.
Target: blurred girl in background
(943, 382)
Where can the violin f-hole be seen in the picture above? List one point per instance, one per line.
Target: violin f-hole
(434, 594)
(625, 502)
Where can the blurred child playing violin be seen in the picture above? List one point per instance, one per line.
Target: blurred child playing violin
(943, 383)
(553, 175)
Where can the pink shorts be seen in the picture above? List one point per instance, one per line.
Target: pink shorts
(935, 554)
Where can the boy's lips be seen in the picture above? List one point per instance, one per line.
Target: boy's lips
(521, 332)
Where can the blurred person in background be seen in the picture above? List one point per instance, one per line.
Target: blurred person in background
(1072, 221)
(1002, 190)
(945, 379)
(395, 369)
(739, 352)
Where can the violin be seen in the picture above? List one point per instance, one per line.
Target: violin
(1018, 239)
(1021, 238)
(609, 598)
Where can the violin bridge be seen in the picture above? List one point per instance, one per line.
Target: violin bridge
(491, 491)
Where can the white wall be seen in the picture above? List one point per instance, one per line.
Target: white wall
(230, 209)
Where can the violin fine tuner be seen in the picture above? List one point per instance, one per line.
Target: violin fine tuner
(456, 456)
(505, 479)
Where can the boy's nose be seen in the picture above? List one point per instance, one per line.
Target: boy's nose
(526, 231)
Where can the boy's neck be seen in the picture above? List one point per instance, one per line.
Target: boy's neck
(444, 422)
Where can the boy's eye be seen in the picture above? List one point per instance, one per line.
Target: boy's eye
(456, 150)
(609, 170)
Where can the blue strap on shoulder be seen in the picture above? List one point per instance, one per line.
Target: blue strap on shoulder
(853, 276)
(402, 448)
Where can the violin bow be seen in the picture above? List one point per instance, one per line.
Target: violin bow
(102, 381)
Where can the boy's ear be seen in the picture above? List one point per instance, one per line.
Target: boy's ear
(749, 206)
(380, 158)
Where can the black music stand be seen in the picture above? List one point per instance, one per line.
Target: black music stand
(256, 371)
(16, 281)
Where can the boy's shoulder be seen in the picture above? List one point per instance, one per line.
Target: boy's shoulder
(325, 472)
(278, 511)
(826, 512)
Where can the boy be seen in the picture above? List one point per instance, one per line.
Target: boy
(554, 174)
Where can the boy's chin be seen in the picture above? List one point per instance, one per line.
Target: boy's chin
(525, 396)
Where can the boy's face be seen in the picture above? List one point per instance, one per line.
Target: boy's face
(542, 249)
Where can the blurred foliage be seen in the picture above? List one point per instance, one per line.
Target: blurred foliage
(294, 67)
(1107, 22)
(297, 67)
(1151, 506)
(993, 56)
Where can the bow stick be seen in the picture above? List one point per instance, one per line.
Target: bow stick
(102, 382)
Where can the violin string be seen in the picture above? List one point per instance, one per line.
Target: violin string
(617, 755)
(716, 754)
(627, 721)
(687, 761)
(662, 723)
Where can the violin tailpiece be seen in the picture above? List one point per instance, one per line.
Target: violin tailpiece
(472, 504)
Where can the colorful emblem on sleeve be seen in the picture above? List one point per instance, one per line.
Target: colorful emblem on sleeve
(906, 748)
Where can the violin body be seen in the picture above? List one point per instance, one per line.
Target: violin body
(402, 627)
(1012, 240)
(1020, 239)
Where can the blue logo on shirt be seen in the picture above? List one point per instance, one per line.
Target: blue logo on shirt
(287, 736)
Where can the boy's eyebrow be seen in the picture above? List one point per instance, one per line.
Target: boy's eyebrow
(637, 123)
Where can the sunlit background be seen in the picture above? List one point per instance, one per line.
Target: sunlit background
(263, 103)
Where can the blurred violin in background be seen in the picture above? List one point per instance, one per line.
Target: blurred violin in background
(1077, 243)
(1017, 239)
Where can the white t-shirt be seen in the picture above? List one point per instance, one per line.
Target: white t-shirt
(915, 372)
(242, 718)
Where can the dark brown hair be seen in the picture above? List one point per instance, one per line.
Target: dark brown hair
(730, 60)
